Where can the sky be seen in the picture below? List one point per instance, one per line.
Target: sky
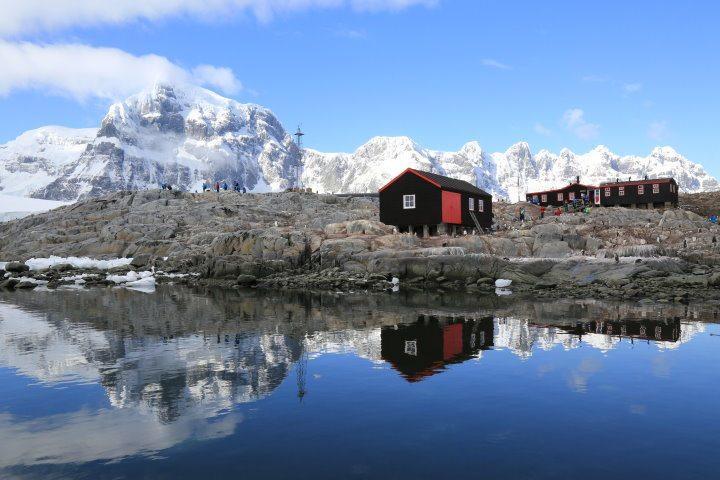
(628, 75)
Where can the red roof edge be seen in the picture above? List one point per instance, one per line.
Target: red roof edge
(630, 183)
(589, 187)
(410, 170)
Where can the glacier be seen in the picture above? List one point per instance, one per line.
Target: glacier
(186, 135)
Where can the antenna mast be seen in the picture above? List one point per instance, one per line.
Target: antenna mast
(298, 165)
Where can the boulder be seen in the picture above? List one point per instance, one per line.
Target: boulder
(9, 284)
(62, 267)
(246, 280)
(16, 267)
(556, 249)
(141, 261)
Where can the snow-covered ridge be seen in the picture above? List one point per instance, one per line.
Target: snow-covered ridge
(508, 174)
(184, 135)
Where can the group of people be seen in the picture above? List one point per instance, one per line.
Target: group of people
(224, 186)
(568, 207)
(576, 206)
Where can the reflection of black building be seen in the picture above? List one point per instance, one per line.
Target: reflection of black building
(423, 348)
(656, 330)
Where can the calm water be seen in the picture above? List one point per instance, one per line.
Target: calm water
(179, 384)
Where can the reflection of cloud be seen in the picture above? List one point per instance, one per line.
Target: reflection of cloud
(638, 409)
(112, 434)
(579, 377)
(661, 366)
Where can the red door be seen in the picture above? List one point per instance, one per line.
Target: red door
(452, 340)
(451, 208)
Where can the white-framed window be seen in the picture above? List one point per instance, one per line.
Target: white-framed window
(560, 197)
(621, 191)
(411, 347)
(571, 196)
(543, 198)
(481, 205)
(471, 204)
(641, 189)
(408, 201)
(607, 191)
(656, 188)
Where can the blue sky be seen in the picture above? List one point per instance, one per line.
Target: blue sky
(630, 75)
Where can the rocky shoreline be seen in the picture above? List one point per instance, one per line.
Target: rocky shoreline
(334, 243)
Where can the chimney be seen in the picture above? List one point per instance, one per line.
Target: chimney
(577, 179)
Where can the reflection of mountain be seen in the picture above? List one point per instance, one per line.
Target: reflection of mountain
(175, 364)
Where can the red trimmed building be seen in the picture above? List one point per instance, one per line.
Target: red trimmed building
(655, 193)
(561, 196)
(646, 193)
(430, 204)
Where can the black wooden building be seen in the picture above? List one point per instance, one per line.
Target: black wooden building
(561, 196)
(647, 193)
(428, 203)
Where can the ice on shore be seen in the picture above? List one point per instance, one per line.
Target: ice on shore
(142, 281)
(77, 262)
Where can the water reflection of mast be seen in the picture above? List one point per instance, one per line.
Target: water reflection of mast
(301, 370)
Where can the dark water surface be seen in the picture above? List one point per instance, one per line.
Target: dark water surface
(111, 384)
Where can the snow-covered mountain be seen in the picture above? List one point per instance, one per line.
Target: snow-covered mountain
(508, 174)
(166, 134)
(184, 135)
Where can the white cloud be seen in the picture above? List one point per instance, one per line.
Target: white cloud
(222, 78)
(82, 71)
(630, 88)
(658, 130)
(542, 129)
(574, 120)
(492, 63)
(21, 17)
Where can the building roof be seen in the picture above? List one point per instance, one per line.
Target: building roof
(638, 182)
(581, 185)
(441, 181)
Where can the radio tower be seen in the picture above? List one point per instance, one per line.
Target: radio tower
(298, 166)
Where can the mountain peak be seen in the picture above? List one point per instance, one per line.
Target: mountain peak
(666, 152)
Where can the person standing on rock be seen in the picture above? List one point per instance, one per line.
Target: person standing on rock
(542, 212)
(217, 187)
(522, 214)
(225, 186)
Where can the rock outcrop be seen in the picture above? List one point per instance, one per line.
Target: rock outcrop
(323, 241)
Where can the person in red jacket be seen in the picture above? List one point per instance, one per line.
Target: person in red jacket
(558, 212)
